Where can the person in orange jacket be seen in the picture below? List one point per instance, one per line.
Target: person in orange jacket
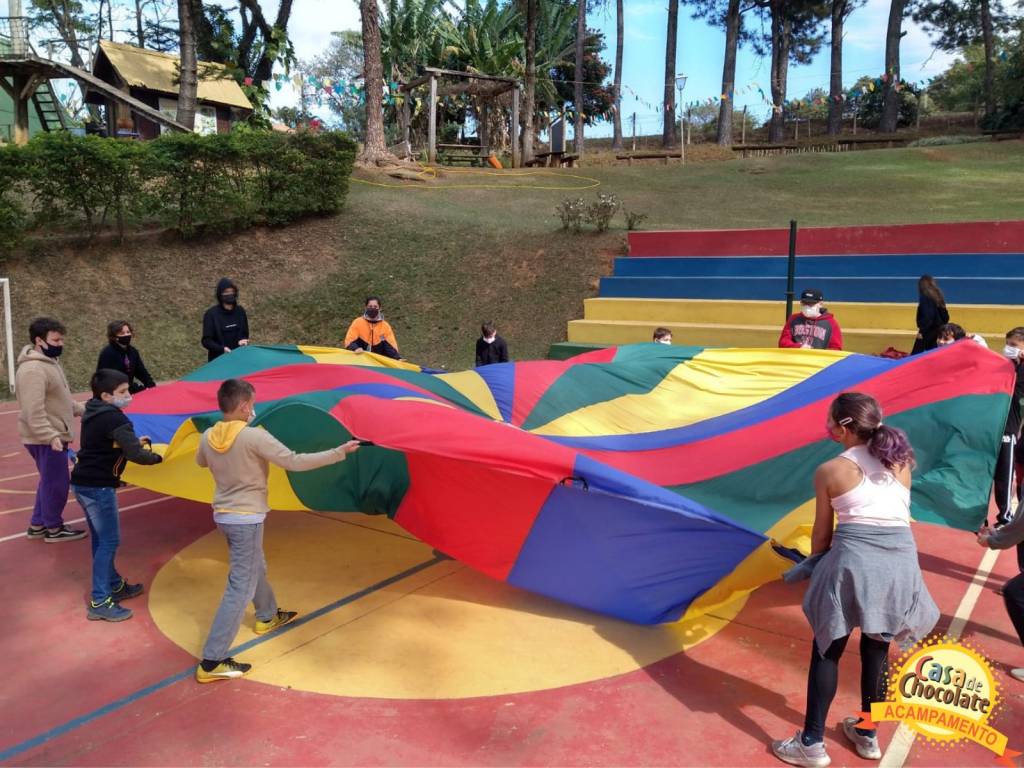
(813, 327)
(372, 332)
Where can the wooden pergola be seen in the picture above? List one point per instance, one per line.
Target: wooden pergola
(490, 86)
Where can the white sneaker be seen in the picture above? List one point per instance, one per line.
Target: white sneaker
(867, 746)
(1017, 674)
(793, 751)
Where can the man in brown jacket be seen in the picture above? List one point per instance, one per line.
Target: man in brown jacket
(47, 425)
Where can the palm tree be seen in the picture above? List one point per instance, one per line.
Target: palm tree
(530, 92)
(188, 75)
(581, 36)
(617, 87)
(374, 147)
(671, 42)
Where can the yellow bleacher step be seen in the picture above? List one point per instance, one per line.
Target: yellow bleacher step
(990, 320)
(864, 340)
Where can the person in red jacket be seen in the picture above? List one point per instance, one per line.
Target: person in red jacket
(813, 327)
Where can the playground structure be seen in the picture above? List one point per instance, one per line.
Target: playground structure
(728, 287)
(486, 88)
(25, 79)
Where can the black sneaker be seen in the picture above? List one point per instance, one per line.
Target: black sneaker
(63, 534)
(35, 533)
(228, 669)
(126, 591)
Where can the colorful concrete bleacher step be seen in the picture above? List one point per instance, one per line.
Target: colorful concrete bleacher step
(727, 287)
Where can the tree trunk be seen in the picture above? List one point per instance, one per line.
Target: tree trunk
(890, 97)
(188, 76)
(668, 132)
(374, 148)
(732, 36)
(581, 39)
(140, 35)
(530, 91)
(780, 70)
(110, 18)
(835, 86)
(99, 21)
(987, 37)
(617, 87)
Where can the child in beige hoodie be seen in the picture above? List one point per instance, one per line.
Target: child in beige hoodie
(239, 456)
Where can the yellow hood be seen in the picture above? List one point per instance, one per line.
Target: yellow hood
(221, 436)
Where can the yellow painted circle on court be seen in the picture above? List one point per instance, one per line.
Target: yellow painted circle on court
(443, 632)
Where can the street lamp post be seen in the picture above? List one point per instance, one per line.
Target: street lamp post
(681, 84)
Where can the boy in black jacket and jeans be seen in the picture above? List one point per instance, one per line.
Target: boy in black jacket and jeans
(108, 442)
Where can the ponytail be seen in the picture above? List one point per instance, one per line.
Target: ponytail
(891, 447)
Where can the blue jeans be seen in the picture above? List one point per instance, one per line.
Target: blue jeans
(100, 505)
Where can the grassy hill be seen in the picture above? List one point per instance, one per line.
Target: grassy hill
(452, 252)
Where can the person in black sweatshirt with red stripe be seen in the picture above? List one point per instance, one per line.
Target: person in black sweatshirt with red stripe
(813, 327)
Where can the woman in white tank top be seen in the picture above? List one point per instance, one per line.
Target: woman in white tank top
(866, 575)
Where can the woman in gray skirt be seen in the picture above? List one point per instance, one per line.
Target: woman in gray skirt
(866, 572)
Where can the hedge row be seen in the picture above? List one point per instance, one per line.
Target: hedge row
(186, 182)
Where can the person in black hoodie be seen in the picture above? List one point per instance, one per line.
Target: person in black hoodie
(931, 314)
(490, 347)
(225, 325)
(108, 442)
(120, 355)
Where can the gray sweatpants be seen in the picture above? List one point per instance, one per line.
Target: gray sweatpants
(247, 581)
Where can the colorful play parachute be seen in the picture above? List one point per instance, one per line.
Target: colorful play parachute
(643, 482)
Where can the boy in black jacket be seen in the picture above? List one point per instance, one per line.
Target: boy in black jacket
(120, 355)
(108, 442)
(1009, 449)
(490, 347)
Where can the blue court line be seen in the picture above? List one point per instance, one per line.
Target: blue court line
(117, 704)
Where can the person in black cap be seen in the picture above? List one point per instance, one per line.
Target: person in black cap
(813, 327)
(225, 325)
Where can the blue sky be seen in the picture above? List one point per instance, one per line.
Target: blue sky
(699, 54)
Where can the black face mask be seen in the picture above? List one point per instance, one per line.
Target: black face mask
(52, 351)
(372, 312)
(229, 299)
(123, 341)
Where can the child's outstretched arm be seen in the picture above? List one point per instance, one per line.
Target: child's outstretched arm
(276, 452)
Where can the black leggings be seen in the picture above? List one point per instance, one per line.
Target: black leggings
(823, 680)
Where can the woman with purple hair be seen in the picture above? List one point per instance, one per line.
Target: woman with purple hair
(865, 574)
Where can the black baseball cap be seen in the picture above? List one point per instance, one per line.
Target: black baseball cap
(811, 296)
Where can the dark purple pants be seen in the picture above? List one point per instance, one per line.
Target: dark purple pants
(54, 481)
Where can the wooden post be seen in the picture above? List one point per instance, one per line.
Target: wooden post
(743, 132)
(432, 125)
(855, 123)
(796, 129)
(515, 127)
(20, 85)
(634, 133)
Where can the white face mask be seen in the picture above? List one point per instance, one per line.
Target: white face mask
(811, 311)
(665, 341)
(122, 402)
(490, 339)
(252, 414)
(1011, 353)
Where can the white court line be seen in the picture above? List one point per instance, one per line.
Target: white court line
(71, 500)
(18, 477)
(899, 748)
(82, 519)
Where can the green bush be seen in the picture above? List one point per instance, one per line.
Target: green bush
(191, 183)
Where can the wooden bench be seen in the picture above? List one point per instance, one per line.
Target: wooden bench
(1004, 135)
(553, 160)
(470, 154)
(663, 156)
